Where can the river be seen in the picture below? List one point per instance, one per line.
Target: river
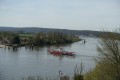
(23, 62)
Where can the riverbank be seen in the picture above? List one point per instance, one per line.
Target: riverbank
(2, 46)
(32, 45)
(37, 39)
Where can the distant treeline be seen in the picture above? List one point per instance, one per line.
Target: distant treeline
(47, 30)
(37, 38)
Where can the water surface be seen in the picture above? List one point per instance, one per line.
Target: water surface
(23, 62)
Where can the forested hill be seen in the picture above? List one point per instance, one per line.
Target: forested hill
(36, 30)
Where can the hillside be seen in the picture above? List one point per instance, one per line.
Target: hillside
(36, 30)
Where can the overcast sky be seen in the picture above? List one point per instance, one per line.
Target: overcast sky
(64, 14)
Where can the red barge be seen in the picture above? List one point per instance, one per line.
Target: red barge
(61, 52)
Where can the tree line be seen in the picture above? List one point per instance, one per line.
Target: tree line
(9, 38)
(51, 38)
(38, 38)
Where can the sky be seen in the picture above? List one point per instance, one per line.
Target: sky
(62, 14)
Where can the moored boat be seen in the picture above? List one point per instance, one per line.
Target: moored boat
(61, 52)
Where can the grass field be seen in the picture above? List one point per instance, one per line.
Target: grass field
(26, 35)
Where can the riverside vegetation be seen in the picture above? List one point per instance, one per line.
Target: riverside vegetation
(37, 39)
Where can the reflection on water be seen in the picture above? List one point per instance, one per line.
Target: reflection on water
(35, 48)
(16, 63)
(13, 49)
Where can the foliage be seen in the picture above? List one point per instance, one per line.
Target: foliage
(9, 38)
(108, 63)
(78, 73)
(52, 38)
(37, 39)
(15, 40)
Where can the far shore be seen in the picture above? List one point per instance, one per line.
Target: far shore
(2, 45)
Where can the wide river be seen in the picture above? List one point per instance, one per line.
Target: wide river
(24, 62)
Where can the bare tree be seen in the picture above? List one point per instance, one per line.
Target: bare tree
(109, 55)
(78, 72)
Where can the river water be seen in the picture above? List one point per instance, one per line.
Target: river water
(24, 62)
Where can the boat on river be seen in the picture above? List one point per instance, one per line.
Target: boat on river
(61, 51)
